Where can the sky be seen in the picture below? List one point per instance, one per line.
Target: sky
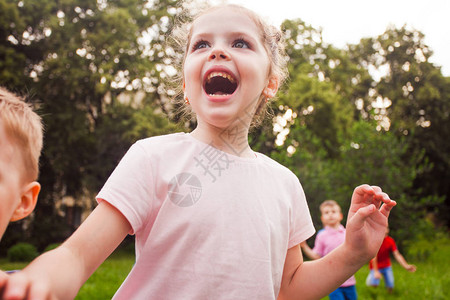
(347, 21)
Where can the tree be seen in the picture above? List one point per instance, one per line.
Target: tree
(326, 84)
(416, 102)
(333, 93)
(78, 59)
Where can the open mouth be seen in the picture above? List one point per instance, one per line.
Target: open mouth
(220, 84)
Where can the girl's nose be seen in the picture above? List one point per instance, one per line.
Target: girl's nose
(218, 53)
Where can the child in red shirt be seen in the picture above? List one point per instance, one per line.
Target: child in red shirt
(381, 264)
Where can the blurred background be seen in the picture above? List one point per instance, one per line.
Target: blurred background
(370, 110)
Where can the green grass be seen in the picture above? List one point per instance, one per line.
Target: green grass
(103, 283)
(430, 281)
(108, 278)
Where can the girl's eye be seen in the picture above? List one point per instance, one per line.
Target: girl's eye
(240, 43)
(200, 45)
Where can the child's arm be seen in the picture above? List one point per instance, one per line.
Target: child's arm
(376, 272)
(59, 274)
(308, 251)
(366, 227)
(402, 261)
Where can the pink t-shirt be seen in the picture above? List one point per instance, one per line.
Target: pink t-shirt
(329, 239)
(208, 225)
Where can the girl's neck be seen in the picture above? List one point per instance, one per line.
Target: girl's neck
(232, 140)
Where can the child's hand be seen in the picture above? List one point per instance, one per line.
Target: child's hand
(367, 221)
(411, 268)
(18, 286)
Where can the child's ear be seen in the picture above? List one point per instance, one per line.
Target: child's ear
(271, 88)
(27, 201)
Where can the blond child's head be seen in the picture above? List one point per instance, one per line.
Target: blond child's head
(269, 36)
(21, 138)
(331, 214)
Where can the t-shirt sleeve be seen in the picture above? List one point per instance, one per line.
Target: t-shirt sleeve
(393, 245)
(129, 187)
(301, 223)
(319, 244)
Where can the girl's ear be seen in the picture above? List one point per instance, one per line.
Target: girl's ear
(27, 201)
(271, 88)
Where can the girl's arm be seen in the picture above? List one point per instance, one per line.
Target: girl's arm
(366, 227)
(59, 274)
(318, 278)
(402, 261)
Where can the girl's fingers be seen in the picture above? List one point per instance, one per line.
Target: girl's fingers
(376, 189)
(367, 192)
(387, 207)
(379, 198)
(385, 198)
(363, 189)
(361, 215)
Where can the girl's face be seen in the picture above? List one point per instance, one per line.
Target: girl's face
(226, 68)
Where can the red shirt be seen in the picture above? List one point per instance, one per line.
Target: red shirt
(383, 255)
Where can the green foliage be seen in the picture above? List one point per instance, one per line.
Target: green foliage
(426, 242)
(95, 70)
(22, 252)
(419, 97)
(310, 56)
(80, 61)
(365, 156)
(319, 108)
(397, 148)
(376, 157)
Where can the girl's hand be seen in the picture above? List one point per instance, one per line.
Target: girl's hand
(367, 221)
